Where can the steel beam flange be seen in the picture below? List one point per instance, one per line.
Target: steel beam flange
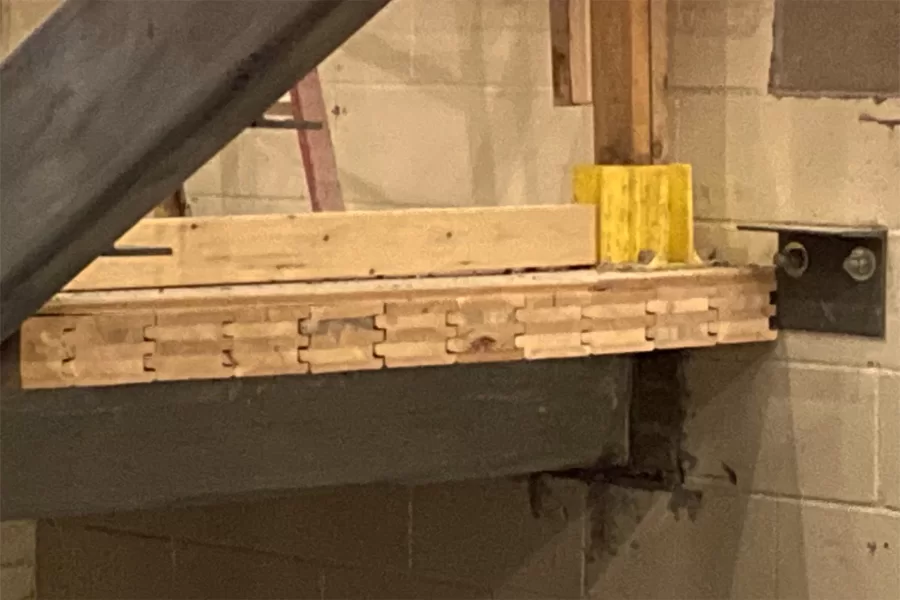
(78, 172)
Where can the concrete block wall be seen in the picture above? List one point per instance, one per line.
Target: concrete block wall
(478, 540)
(443, 103)
(795, 449)
(17, 560)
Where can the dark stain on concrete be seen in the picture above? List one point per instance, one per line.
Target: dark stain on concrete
(732, 476)
(683, 499)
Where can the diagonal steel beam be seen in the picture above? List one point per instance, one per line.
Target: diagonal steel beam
(77, 169)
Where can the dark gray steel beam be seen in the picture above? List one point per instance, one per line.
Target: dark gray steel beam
(111, 104)
(79, 451)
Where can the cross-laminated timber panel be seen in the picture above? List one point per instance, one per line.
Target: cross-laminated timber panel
(140, 336)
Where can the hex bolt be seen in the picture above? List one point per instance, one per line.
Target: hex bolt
(860, 264)
(793, 259)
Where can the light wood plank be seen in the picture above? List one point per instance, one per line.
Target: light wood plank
(570, 42)
(273, 248)
(493, 291)
(659, 80)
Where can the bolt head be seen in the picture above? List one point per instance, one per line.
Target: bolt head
(860, 264)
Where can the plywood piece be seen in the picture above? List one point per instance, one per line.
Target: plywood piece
(47, 374)
(615, 342)
(45, 339)
(690, 335)
(118, 372)
(737, 303)
(746, 314)
(562, 352)
(486, 338)
(335, 333)
(342, 367)
(195, 332)
(619, 324)
(592, 297)
(348, 336)
(109, 354)
(111, 329)
(420, 334)
(490, 356)
(243, 330)
(678, 306)
(285, 312)
(687, 292)
(344, 354)
(249, 357)
(411, 307)
(196, 347)
(410, 349)
(498, 300)
(549, 341)
(412, 321)
(472, 291)
(265, 348)
(552, 345)
(195, 315)
(551, 327)
(181, 366)
(490, 316)
(685, 318)
(548, 315)
(540, 300)
(346, 310)
(753, 288)
(317, 246)
(751, 330)
(419, 361)
(615, 311)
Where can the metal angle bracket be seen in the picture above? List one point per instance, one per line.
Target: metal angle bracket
(831, 279)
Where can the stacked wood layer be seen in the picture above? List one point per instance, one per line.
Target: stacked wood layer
(319, 293)
(137, 336)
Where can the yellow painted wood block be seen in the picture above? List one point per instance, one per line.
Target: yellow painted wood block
(644, 213)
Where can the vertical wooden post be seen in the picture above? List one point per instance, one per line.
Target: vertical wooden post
(570, 40)
(622, 83)
(659, 81)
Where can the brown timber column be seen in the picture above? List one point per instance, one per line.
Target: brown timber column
(628, 58)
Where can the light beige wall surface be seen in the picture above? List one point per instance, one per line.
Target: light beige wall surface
(434, 103)
(17, 560)
(448, 103)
